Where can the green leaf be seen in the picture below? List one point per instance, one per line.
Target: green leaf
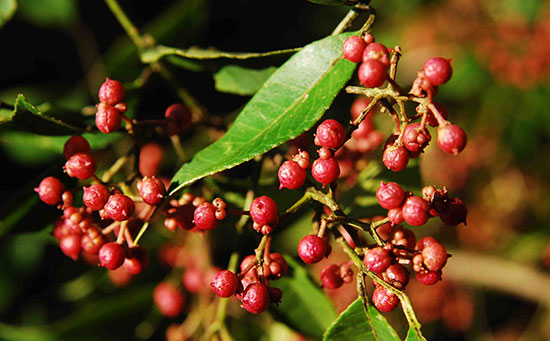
(240, 80)
(27, 117)
(49, 13)
(413, 335)
(335, 2)
(304, 307)
(353, 324)
(7, 8)
(288, 104)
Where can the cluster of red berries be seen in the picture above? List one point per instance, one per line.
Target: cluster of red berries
(111, 109)
(374, 58)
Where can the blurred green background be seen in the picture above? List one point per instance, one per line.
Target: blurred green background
(58, 52)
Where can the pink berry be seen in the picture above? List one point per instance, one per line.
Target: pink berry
(372, 73)
(111, 92)
(291, 175)
(451, 138)
(136, 260)
(377, 259)
(70, 245)
(263, 211)
(256, 298)
(81, 166)
(75, 144)
(330, 134)
(384, 300)
(395, 158)
(415, 211)
(455, 213)
(225, 284)
(353, 48)
(95, 196)
(416, 139)
(111, 255)
(92, 240)
(178, 119)
(325, 171)
(119, 207)
(378, 52)
(330, 277)
(428, 277)
(204, 216)
(312, 249)
(395, 216)
(168, 299)
(438, 70)
(390, 195)
(152, 190)
(435, 256)
(50, 190)
(107, 118)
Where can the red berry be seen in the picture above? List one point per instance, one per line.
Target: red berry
(302, 158)
(424, 242)
(312, 249)
(353, 48)
(111, 92)
(256, 298)
(111, 255)
(107, 118)
(378, 52)
(330, 277)
(438, 70)
(136, 260)
(291, 175)
(119, 207)
(369, 38)
(372, 73)
(81, 166)
(192, 279)
(168, 299)
(92, 240)
(377, 259)
(204, 216)
(178, 119)
(70, 245)
(428, 277)
(455, 213)
(390, 195)
(384, 300)
(325, 171)
(451, 138)
(275, 295)
(395, 216)
(150, 158)
(263, 211)
(95, 196)
(415, 210)
(50, 190)
(152, 190)
(430, 118)
(435, 256)
(330, 134)
(278, 266)
(395, 158)
(75, 144)
(397, 275)
(358, 105)
(416, 139)
(225, 284)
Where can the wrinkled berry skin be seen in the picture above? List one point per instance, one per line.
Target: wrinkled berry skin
(263, 211)
(377, 259)
(330, 277)
(119, 207)
(168, 299)
(152, 190)
(256, 298)
(378, 52)
(111, 255)
(291, 175)
(384, 300)
(225, 283)
(390, 195)
(353, 48)
(111, 92)
(435, 256)
(92, 240)
(325, 171)
(397, 275)
(75, 144)
(204, 216)
(81, 166)
(330, 134)
(178, 119)
(95, 196)
(395, 158)
(312, 249)
(415, 211)
(50, 190)
(451, 138)
(416, 139)
(438, 70)
(107, 118)
(372, 73)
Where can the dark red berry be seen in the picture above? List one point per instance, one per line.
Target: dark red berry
(152, 190)
(95, 196)
(136, 260)
(377, 259)
(397, 275)
(384, 300)
(263, 211)
(372, 73)
(291, 175)
(312, 249)
(92, 240)
(330, 134)
(325, 171)
(50, 190)
(435, 256)
(438, 70)
(451, 138)
(107, 118)
(119, 207)
(416, 139)
(455, 213)
(378, 52)
(168, 299)
(150, 158)
(390, 195)
(204, 216)
(353, 48)
(330, 277)
(111, 255)
(81, 166)
(430, 118)
(225, 283)
(395, 158)
(428, 277)
(275, 295)
(278, 266)
(70, 245)
(178, 119)
(415, 211)
(256, 298)
(75, 144)
(111, 92)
